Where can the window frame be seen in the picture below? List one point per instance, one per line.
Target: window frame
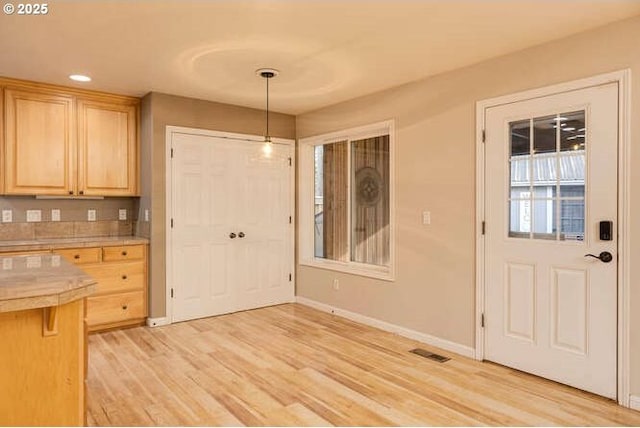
(306, 201)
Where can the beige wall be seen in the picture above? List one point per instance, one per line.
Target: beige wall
(160, 110)
(434, 289)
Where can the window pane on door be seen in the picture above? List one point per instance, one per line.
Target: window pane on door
(520, 178)
(330, 201)
(547, 182)
(370, 201)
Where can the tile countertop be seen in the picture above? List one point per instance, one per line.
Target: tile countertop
(57, 243)
(40, 281)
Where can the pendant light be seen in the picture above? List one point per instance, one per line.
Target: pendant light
(267, 73)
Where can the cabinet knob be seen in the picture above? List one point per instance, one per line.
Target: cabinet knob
(81, 192)
(124, 276)
(124, 253)
(71, 192)
(124, 307)
(76, 256)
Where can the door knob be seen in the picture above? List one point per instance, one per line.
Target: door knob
(604, 256)
(241, 235)
(232, 235)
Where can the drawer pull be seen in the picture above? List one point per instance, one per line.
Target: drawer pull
(124, 276)
(124, 253)
(124, 307)
(76, 256)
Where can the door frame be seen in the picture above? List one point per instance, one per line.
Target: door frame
(259, 139)
(623, 79)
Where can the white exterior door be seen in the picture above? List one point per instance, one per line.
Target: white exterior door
(231, 235)
(551, 179)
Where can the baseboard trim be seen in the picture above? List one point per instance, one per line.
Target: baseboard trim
(634, 402)
(157, 322)
(447, 345)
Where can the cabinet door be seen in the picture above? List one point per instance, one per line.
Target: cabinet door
(108, 149)
(40, 147)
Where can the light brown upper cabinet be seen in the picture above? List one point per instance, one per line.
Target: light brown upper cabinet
(64, 141)
(107, 142)
(39, 143)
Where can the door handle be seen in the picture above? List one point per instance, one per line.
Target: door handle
(241, 235)
(604, 256)
(232, 235)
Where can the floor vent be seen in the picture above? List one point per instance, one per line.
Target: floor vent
(430, 355)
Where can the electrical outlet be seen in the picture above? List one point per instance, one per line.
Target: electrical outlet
(122, 214)
(55, 260)
(34, 216)
(426, 217)
(336, 284)
(55, 214)
(146, 215)
(7, 216)
(91, 215)
(7, 263)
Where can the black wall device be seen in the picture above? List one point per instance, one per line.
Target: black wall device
(606, 230)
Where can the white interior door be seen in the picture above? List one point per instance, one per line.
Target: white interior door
(551, 178)
(263, 223)
(231, 234)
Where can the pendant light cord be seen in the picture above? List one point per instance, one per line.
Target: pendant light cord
(267, 137)
(267, 73)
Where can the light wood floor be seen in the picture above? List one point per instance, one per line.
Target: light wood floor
(293, 365)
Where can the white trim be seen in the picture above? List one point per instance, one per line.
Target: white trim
(623, 79)
(447, 345)
(480, 216)
(634, 402)
(306, 201)
(170, 130)
(624, 247)
(158, 322)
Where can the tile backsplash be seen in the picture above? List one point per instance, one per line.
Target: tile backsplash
(73, 221)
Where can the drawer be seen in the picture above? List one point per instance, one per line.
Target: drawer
(80, 255)
(125, 252)
(115, 307)
(118, 277)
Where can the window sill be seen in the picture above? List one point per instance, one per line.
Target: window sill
(369, 271)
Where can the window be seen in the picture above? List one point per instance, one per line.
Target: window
(346, 201)
(548, 177)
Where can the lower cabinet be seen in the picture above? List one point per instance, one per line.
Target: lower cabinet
(121, 272)
(42, 377)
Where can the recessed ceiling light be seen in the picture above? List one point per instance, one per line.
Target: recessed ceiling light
(80, 78)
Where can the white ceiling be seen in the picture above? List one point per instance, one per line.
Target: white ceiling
(327, 51)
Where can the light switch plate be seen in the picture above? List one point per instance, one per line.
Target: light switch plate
(55, 214)
(146, 215)
(122, 214)
(91, 215)
(34, 262)
(7, 216)
(34, 216)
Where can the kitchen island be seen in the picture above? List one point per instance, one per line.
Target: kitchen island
(43, 350)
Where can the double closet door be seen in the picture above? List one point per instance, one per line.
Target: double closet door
(231, 240)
